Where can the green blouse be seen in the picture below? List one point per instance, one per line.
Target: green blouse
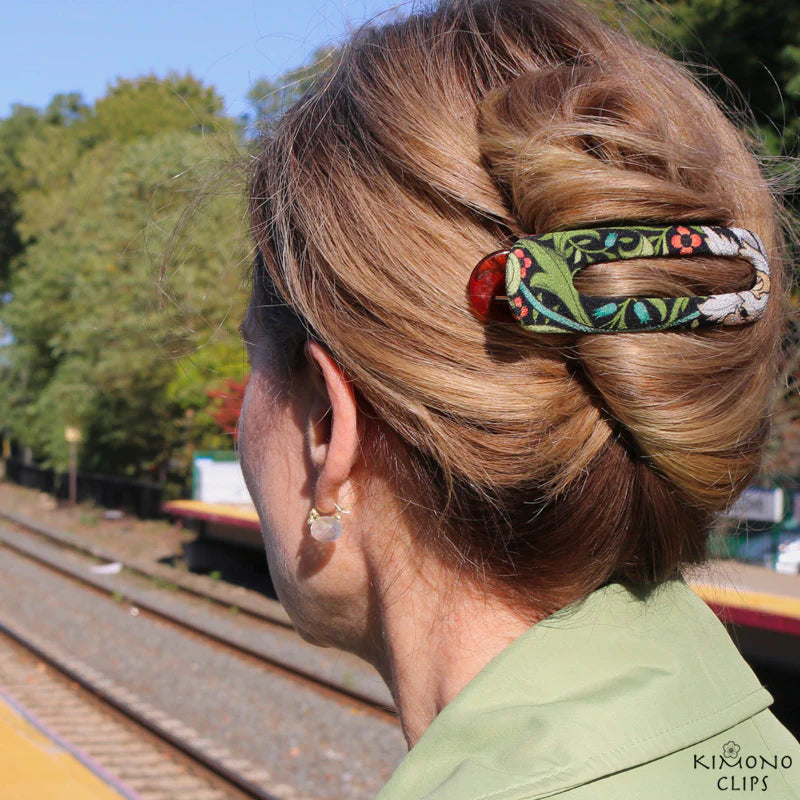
(622, 695)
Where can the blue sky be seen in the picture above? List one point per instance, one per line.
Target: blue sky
(53, 46)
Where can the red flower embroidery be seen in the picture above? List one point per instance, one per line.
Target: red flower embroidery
(685, 241)
(523, 312)
(517, 301)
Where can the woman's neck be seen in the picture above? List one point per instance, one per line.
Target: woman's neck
(436, 637)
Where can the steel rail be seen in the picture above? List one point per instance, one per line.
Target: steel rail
(166, 731)
(366, 702)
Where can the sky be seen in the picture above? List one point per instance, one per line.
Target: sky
(52, 46)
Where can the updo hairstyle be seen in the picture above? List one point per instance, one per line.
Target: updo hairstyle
(539, 466)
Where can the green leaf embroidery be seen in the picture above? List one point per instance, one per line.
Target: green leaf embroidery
(678, 308)
(556, 278)
(660, 306)
(617, 322)
(641, 249)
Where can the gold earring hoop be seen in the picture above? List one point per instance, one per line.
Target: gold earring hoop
(326, 527)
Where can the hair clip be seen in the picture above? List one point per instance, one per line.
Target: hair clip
(537, 275)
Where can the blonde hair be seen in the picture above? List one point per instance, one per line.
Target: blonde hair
(546, 465)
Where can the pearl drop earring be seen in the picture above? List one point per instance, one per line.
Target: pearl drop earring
(326, 527)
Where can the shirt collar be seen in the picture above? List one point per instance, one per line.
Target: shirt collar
(617, 679)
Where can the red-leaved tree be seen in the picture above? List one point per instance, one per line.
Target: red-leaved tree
(226, 404)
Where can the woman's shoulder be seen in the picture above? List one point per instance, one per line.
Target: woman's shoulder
(758, 755)
(623, 690)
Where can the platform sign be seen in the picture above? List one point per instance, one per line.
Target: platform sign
(217, 478)
(759, 505)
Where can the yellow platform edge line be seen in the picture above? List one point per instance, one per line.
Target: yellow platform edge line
(221, 509)
(33, 766)
(754, 601)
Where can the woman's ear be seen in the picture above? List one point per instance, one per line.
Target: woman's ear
(332, 427)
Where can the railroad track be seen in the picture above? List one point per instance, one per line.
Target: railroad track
(278, 649)
(347, 679)
(262, 608)
(114, 739)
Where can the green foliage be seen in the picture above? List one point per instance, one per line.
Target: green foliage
(66, 109)
(108, 338)
(24, 122)
(10, 240)
(755, 46)
(14, 131)
(177, 103)
(124, 253)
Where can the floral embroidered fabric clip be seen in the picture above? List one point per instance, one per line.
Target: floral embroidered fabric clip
(538, 270)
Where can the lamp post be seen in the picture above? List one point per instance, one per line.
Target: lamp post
(73, 436)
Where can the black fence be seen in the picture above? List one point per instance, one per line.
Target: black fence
(136, 497)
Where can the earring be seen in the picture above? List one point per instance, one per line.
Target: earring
(326, 527)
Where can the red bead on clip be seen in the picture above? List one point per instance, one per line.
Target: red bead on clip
(487, 288)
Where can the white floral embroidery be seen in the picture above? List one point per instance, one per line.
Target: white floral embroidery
(719, 307)
(720, 245)
(733, 309)
(739, 307)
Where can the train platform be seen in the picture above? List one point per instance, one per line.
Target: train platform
(747, 594)
(36, 763)
(743, 593)
(234, 523)
(242, 516)
(740, 593)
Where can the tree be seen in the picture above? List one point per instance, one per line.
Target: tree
(103, 334)
(755, 46)
(66, 109)
(226, 404)
(148, 106)
(14, 130)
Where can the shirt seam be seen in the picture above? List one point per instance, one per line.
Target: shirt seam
(629, 745)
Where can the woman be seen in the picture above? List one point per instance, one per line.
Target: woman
(488, 486)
